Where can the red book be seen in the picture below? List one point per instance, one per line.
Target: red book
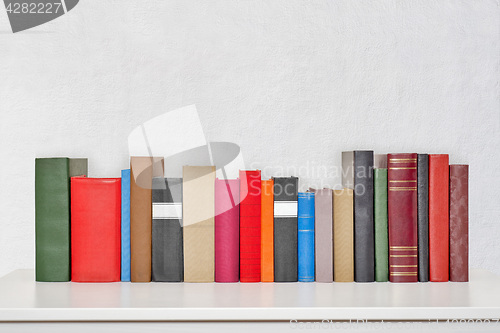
(227, 216)
(95, 229)
(402, 214)
(250, 196)
(459, 223)
(438, 218)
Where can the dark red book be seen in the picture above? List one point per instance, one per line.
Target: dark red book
(250, 197)
(95, 229)
(438, 218)
(459, 223)
(402, 214)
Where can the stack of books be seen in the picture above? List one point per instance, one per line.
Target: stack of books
(396, 217)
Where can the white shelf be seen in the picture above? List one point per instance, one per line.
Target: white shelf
(23, 299)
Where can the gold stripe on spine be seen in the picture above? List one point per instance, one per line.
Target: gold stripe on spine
(403, 247)
(404, 265)
(403, 181)
(402, 159)
(403, 189)
(404, 168)
(403, 274)
(403, 255)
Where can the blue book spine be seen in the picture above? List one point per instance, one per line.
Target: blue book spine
(125, 262)
(306, 236)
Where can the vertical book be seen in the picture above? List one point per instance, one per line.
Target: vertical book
(380, 219)
(285, 229)
(343, 235)
(323, 235)
(402, 177)
(198, 210)
(267, 231)
(306, 237)
(125, 226)
(166, 257)
(227, 218)
(423, 216)
(95, 229)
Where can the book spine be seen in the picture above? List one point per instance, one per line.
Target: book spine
(423, 216)
(439, 244)
(343, 232)
(381, 227)
(402, 194)
(142, 171)
(306, 237)
(95, 229)
(227, 215)
(52, 219)
(267, 231)
(364, 239)
(285, 229)
(250, 209)
(125, 226)
(198, 210)
(166, 257)
(323, 235)
(459, 223)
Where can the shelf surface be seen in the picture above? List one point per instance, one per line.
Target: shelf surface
(23, 299)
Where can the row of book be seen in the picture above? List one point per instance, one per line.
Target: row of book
(397, 217)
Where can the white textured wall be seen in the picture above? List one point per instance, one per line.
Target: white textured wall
(292, 82)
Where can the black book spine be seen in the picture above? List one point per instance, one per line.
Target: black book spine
(423, 216)
(167, 253)
(364, 236)
(285, 229)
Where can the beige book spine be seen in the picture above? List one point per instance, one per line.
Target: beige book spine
(343, 236)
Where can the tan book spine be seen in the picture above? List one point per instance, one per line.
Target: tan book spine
(142, 171)
(343, 236)
(198, 217)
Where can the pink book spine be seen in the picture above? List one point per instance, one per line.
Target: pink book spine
(227, 220)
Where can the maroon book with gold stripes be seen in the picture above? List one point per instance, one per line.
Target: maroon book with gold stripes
(250, 204)
(402, 201)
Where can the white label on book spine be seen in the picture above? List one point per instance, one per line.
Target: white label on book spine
(285, 209)
(164, 210)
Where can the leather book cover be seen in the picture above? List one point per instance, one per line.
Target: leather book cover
(380, 219)
(227, 230)
(459, 223)
(402, 194)
(52, 216)
(285, 229)
(423, 216)
(323, 235)
(95, 229)
(305, 240)
(267, 231)
(198, 210)
(166, 257)
(142, 171)
(250, 209)
(364, 238)
(125, 226)
(343, 235)
(439, 242)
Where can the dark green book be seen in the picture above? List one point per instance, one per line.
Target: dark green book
(380, 219)
(52, 216)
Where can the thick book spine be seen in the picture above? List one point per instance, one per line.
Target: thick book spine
(250, 206)
(343, 235)
(423, 216)
(198, 210)
(166, 257)
(438, 218)
(142, 171)
(323, 234)
(267, 231)
(381, 228)
(285, 229)
(305, 240)
(402, 195)
(95, 229)
(227, 218)
(459, 223)
(364, 239)
(125, 226)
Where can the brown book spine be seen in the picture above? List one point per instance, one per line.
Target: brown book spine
(343, 236)
(459, 223)
(142, 171)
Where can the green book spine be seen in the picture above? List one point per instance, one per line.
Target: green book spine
(381, 230)
(52, 216)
